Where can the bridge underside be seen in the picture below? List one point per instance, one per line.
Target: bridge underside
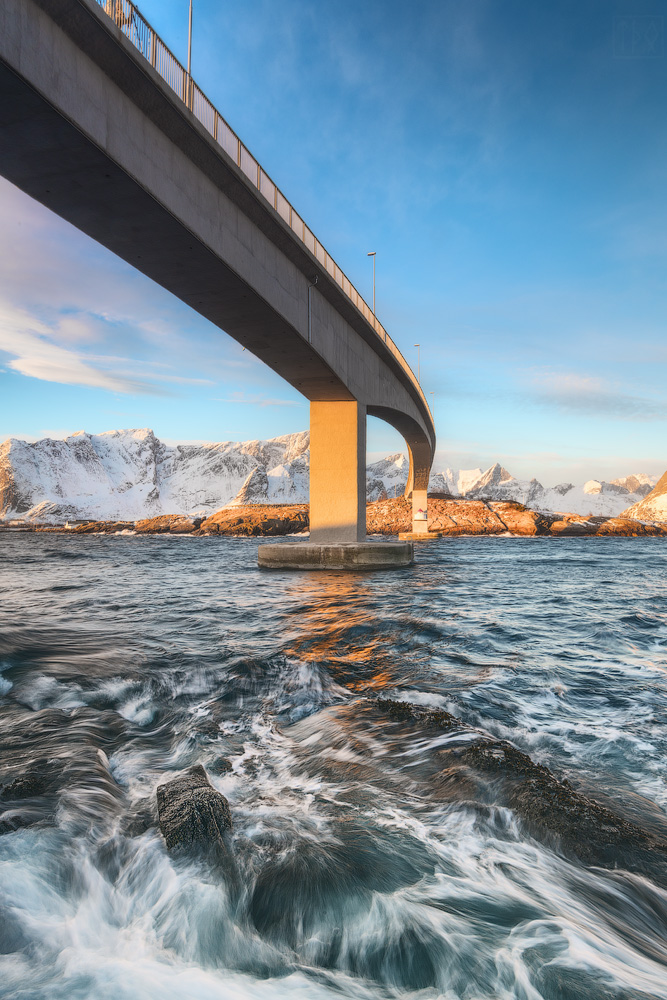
(51, 160)
(104, 144)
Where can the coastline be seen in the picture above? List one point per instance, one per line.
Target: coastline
(449, 517)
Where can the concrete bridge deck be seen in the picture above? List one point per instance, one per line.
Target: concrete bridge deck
(100, 123)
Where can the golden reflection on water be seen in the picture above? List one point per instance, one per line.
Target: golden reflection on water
(345, 622)
(334, 623)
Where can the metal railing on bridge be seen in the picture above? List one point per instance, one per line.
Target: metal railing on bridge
(144, 38)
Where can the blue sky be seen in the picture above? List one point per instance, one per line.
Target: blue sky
(506, 161)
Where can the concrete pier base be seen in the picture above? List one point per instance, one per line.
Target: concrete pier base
(351, 555)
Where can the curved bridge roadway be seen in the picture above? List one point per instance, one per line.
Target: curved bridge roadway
(100, 123)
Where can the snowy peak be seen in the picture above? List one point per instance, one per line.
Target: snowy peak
(287, 483)
(600, 486)
(131, 474)
(278, 450)
(490, 480)
(388, 477)
(464, 480)
(653, 506)
(638, 483)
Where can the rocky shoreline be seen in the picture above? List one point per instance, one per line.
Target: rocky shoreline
(384, 517)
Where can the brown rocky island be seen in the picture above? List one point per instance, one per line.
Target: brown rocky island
(384, 517)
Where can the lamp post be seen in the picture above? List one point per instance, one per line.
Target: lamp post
(372, 254)
(418, 368)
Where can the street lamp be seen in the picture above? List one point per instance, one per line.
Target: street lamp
(371, 254)
(418, 369)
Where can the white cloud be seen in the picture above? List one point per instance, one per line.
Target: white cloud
(37, 356)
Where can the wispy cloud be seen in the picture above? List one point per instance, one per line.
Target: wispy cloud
(55, 352)
(34, 354)
(591, 396)
(59, 434)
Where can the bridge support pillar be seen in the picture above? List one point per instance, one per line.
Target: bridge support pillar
(417, 486)
(337, 500)
(337, 472)
(416, 491)
(420, 531)
(419, 512)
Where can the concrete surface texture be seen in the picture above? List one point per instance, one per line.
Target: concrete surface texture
(89, 128)
(353, 556)
(337, 472)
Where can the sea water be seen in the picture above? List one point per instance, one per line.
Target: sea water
(125, 660)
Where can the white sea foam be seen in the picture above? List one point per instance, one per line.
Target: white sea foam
(377, 882)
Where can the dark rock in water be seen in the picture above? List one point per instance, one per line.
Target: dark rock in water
(48, 754)
(35, 783)
(310, 890)
(29, 798)
(311, 884)
(221, 765)
(588, 829)
(495, 771)
(12, 936)
(16, 819)
(193, 816)
(195, 821)
(405, 711)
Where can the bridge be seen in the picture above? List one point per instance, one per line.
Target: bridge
(102, 124)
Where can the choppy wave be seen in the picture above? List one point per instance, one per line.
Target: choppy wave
(374, 859)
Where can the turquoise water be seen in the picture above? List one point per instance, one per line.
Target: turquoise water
(369, 867)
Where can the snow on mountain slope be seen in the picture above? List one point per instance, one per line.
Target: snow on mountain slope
(131, 474)
(389, 476)
(640, 483)
(286, 483)
(652, 507)
(594, 497)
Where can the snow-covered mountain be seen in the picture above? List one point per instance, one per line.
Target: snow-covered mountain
(653, 507)
(387, 478)
(608, 499)
(131, 474)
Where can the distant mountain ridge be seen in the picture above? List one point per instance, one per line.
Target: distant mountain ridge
(388, 477)
(131, 474)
